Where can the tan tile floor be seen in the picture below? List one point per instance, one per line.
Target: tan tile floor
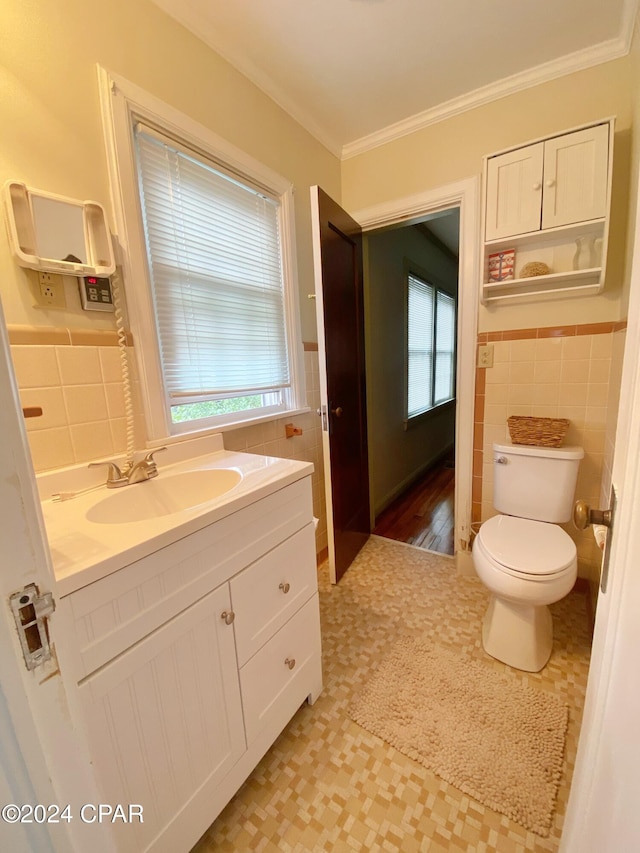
(329, 785)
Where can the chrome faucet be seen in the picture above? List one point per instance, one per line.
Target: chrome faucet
(137, 472)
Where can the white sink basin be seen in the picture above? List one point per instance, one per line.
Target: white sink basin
(164, 495)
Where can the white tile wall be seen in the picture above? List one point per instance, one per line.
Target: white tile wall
(81, 394)
(80, 391)
(566, 377)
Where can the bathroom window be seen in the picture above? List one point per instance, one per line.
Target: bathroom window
(430, 355)
(214, 256)
(210, 277)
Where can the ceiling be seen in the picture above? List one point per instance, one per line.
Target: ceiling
(356, 73)
(445, 227)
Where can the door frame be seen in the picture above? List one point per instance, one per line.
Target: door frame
(465, 195)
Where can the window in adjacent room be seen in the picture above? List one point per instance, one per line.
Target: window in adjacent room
(430, 357)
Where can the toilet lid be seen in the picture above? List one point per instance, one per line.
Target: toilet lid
(530, 547)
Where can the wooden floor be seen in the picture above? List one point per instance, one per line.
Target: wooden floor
(423, 515)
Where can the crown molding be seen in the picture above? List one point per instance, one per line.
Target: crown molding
(265, 83)
(616, 48)
(629, 21)
(578, 61)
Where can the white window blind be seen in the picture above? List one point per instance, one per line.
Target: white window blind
(420, 346)
(431, 336)
(445, 347)
(214, 250)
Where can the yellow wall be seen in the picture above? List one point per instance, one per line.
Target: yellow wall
(453, 149)
(51, 129)
(52, 136)
(52, 140)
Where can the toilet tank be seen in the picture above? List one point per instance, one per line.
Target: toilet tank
(535, 482)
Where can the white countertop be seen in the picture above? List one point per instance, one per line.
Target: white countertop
(83, 551)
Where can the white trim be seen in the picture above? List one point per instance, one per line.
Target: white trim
(316, 243)
(464, 194)
(573, 62)
(120, 100)
(629, 21)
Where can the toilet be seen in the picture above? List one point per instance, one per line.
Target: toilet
(521, 555)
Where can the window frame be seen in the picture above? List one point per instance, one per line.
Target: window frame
(437, 286)
(123, 104)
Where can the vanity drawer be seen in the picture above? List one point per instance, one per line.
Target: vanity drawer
(115, 612)
(266, 594)
(272, 689)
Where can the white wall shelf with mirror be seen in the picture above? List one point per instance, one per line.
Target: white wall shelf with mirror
(57, 234)
(549, 202)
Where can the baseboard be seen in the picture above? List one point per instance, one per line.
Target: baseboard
(321, 556)
(464, 564)
(409, 481)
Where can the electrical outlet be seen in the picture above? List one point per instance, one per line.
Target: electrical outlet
(50, 292)
(485, 355)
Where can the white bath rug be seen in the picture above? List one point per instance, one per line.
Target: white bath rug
(482, 731)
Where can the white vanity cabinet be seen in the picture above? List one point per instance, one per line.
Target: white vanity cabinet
(165, 718)
(192, 660)
(539, 199)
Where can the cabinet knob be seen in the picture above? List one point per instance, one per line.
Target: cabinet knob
(290, 662)
(537, 185)
(285, 587)
(227, 616)
(550, 183)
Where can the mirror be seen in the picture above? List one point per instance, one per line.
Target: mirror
(59, 230)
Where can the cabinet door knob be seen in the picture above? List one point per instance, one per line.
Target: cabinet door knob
(290, 662)
(537, 185)
(227, 616)
(550, 183)
(285, 587)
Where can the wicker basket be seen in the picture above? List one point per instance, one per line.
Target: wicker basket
(542, 432)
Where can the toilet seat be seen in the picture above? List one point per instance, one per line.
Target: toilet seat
(523, 548)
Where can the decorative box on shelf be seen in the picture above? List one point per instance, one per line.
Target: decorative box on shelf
(501, 265)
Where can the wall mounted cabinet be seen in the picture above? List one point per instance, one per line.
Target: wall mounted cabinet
(549, 201)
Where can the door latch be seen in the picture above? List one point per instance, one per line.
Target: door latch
(322, 412)
(31, 611)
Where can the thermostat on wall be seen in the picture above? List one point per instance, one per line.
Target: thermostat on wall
(95, 293)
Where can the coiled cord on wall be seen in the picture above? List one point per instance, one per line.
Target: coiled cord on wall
(116, 282)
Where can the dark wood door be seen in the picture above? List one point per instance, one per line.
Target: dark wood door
(339, 293)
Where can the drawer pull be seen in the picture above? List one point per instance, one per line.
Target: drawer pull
(290, 662)
(228, 616)
(285, 587)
